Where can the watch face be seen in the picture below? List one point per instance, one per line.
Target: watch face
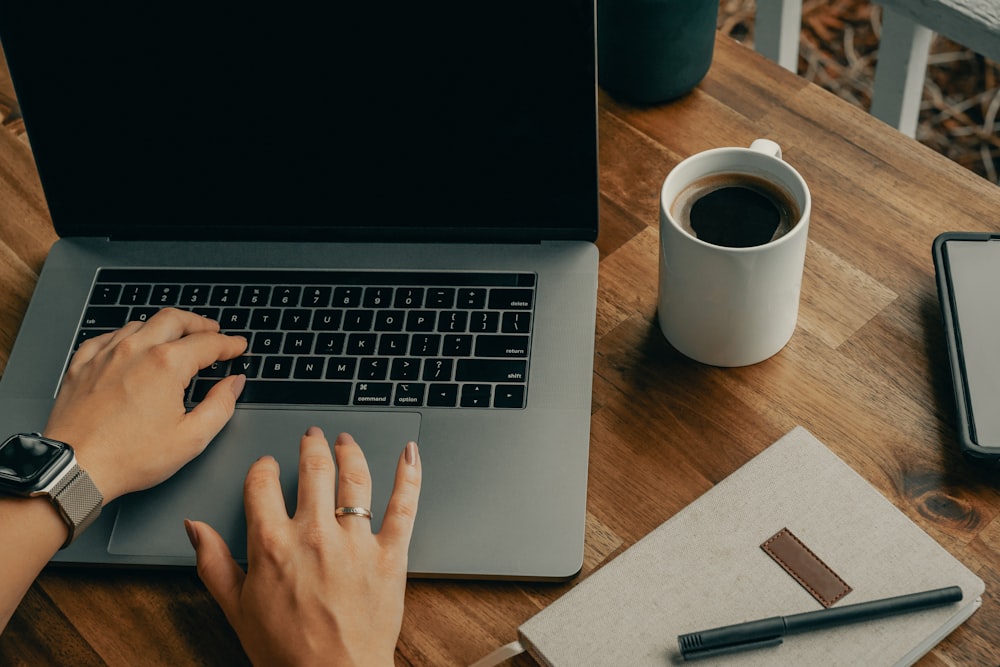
(27, 462)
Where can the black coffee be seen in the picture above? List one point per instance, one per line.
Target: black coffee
(735, 210)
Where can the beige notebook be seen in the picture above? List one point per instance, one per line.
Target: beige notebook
(705, 568)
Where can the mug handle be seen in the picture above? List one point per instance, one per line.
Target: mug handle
(767, 147)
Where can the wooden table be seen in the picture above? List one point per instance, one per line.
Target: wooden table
(866, 372)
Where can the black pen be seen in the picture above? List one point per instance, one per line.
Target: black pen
(769, 631)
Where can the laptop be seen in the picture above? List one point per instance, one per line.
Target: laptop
(410, 187)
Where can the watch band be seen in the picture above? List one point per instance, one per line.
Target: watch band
(78, 500)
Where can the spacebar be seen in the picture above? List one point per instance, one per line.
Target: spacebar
(298, 393)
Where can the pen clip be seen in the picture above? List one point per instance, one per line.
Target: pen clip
(697, 654)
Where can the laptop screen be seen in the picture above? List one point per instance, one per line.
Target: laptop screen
(447, 120)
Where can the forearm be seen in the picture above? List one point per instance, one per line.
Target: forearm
(34, 532)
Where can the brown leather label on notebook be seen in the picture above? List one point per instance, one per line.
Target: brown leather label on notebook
(805, 567)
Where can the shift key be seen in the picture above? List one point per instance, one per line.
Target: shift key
(508, 347)
(491, 370)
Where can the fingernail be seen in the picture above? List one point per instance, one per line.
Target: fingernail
(314, 431)
(238, 384)
(411, 453)
(192, 532)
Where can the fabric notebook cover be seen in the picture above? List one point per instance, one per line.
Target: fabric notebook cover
(704, 568)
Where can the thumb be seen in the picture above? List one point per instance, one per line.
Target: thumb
(222, 576)
(208, 417)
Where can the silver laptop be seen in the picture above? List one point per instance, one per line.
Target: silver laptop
(408, 189)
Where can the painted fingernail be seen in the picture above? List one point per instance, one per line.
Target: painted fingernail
(238, 384)
(192, 532)
(314, 431)
(411, 453)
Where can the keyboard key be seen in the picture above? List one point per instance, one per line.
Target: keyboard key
(285, 296)
(276, 367)
(347, 297)
(246, 365)
(361, 344)
(389, 320)
(440, 297)
(405, 370)
(420, 320)
(358, 320)
(439, 370)
(511, 347)
(471, 298)
(165, 295)
(235, 318)
(225, 295)
(516, 322)
(373, 368)
(341, 368)
(108, 317)
(393, 344)
(484, 321)
(409, 297)
(308, 368)
(509, 396)
(475, 395)
(295, 319)
(327, 320)
(218, 369)
(141, 314)
(491, 370)
(210, 313)
(255, 295)
(265, 318)
(372, 393)
(298, 342)
(135, 295)
(511, 299)
(457, 346)
(409, 394)
(194, 295)
(442, 395)
(316, 297)
(104, 295)
(87, 334)
(330, 343)
(302, 392)
(453, 321)
(266, 341)
(378, 297)
(425, 345)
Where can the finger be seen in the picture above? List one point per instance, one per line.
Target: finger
(90, 348)
(208, 417)
(171, 323)
(221, 575)
(317, 476)
(401, 512)
(264, 504)
(200, 350)
(354, 482)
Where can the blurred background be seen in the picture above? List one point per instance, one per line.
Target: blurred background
(838, 50)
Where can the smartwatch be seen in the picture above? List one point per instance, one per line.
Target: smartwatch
(32, 465)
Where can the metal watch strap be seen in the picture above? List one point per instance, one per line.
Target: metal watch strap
(78, 500)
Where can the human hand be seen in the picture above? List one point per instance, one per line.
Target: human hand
(121, 404)
(318, 589)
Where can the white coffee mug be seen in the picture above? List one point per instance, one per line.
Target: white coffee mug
(728, 306)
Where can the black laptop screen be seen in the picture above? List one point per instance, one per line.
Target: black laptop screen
(361, 120)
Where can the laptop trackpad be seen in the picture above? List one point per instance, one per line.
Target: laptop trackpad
(210, 488)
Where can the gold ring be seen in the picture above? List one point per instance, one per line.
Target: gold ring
(362, 512)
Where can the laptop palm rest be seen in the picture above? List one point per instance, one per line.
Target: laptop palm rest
(151, 523)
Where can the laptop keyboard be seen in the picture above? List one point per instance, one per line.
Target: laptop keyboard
(357, 338)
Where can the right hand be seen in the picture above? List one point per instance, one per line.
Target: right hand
(318, 590)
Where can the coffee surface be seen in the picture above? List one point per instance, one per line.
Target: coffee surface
(735, 210)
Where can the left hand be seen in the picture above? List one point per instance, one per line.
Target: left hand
(121, 405)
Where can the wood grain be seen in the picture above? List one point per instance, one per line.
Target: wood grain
(866, 372)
